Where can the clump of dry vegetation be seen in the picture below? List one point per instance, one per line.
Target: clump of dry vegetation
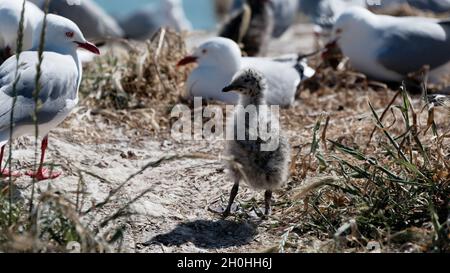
(53, 225)
(137, 88)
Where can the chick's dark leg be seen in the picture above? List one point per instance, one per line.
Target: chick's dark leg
(233, 194)
(268, 201)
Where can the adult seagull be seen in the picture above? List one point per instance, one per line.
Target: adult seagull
(61, 74)
(219, 59)
(10, 14)
(388, 48)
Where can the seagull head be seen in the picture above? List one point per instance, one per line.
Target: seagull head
(349, 23)
(346, 29)
(248, 82)
(63, 36)
(215, 52)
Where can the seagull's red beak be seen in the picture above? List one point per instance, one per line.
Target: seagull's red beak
(89, 47)
(187, 60)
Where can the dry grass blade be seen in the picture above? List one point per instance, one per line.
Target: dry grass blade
(313, 185)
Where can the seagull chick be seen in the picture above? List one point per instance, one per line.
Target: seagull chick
(261, 167)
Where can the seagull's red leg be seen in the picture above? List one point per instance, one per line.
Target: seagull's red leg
(43, 173)
(4, 172)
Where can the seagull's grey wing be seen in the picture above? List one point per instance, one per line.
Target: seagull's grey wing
(59, 82)
(408, 50)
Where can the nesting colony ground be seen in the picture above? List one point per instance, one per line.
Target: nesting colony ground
(346, 193)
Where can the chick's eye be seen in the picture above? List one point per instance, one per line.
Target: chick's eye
(69, 34)
(338, 31)
(204, 51)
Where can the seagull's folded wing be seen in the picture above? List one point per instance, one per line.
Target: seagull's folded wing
(408, 49)
(59, 82)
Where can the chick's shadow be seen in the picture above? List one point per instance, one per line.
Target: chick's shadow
(208, 234)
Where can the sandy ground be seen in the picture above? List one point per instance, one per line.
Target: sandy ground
(173, 215)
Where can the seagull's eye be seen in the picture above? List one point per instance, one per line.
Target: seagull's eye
(339, 31)
(69, 34)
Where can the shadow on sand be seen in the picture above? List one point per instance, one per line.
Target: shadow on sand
(208, 234)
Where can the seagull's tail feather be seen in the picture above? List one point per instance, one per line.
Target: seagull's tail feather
(445, 22)
(299, 62)
(303, 69)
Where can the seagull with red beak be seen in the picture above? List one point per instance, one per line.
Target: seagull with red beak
(219, 59)
(61, 74)
(388, 48)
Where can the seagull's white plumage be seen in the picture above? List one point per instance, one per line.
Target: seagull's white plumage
(219, 59)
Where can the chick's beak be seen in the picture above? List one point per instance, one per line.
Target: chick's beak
(230, 88)
(89, 47)
(187, 60)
